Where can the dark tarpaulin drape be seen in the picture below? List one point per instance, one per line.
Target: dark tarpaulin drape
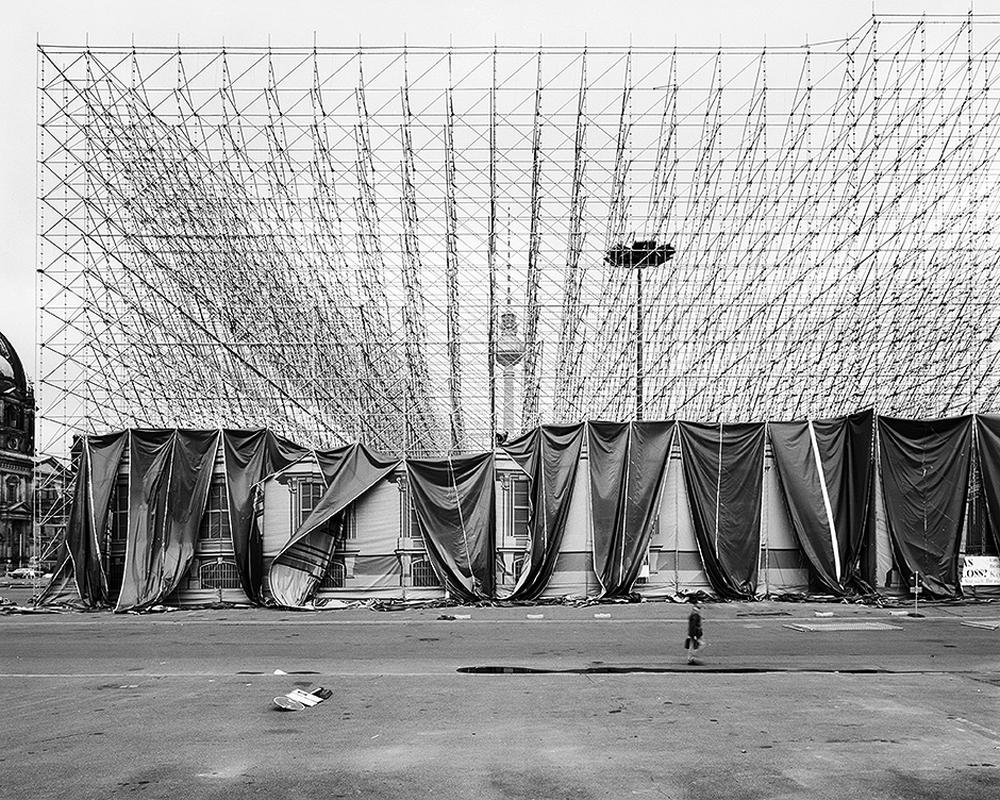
(95, 480)
(250, 457)
(454, 503)
(723, 469)
(301, 564)
(628, 461)
(169, 475)
(825, 469)
(988, 436)
(549, 456)
(925, 479)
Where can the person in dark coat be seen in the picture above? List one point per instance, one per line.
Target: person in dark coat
(693, 641)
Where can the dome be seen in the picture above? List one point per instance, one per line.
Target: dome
(11, 371)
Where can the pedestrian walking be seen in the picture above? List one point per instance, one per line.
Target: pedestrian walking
(693, 640)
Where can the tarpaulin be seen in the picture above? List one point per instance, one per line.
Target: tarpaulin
(549, 456)
(61, 590)
(301, 564)
(825, 469)
(925, 478)
(169, 475)
(723, 474)
(628, 461)
(95, 480)
(453, 500)
(988, 440)
(250, 457)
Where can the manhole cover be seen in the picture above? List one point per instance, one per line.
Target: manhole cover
(822, 627)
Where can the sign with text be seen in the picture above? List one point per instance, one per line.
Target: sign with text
(981, 571)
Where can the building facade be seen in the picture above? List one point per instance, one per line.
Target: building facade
(17, 444)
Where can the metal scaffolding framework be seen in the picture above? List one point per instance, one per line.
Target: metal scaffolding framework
(307, 238)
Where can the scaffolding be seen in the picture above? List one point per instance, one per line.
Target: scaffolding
(307, 238)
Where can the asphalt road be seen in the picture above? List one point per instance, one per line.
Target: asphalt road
(151, 706)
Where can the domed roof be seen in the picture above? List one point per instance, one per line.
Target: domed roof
(11, 371)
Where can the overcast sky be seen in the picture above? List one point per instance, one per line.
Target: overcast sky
(377, 22)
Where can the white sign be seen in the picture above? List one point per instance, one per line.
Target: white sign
(981, 571)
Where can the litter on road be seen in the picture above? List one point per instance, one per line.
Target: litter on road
(984, 625)
(823, 627)
(297, 700)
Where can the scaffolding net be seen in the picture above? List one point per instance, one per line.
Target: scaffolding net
(410, 246)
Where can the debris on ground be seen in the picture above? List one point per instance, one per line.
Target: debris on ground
(297, 700)
(765, 613)
(986, 626)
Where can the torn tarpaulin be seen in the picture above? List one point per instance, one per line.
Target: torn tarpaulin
(300, 566)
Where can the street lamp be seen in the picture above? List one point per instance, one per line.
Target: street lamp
(637, 256)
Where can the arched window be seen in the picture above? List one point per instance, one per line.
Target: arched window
(422, 574)
(219, 575)
(336, 576)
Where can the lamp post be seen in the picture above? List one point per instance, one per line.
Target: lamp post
(637, 256)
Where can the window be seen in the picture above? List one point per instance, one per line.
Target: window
(47, 499)
(415, 531)
(219, 574)
(519, 564)
(348, 525)
(336, 576)
(215, 523)
(520, 508)
(118, 518)
(423, 575)
(115, 575)
(310, 493)
(12, 486)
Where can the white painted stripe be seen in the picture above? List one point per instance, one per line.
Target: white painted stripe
(245, 678)
(826, 500)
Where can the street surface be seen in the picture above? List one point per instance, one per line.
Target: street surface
(98, 706)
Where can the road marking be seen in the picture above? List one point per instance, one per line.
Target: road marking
(982, 728)
(240, 677)
(638, 671)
